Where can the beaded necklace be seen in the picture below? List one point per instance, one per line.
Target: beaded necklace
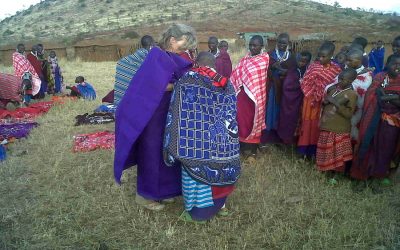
(285, 55)
(338, 92)
(385, 82)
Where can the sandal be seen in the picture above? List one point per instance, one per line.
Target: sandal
(224, 212)
(386, 182)
(154, 206)
(168, 201)
(149, 204)
(186, 217)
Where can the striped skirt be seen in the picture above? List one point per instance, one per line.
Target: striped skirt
(333, 151)
(195, 194)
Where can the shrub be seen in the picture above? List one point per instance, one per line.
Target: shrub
(8, 32)
(174, 16)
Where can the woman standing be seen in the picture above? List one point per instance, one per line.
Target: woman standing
(141, 116)
(249, 78)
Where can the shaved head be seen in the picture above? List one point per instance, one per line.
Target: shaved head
(206, 59)
(355, 53)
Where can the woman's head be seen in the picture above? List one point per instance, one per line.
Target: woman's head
(223, 45)
(354, 58)
(341, 57)
(52, 54)
(178, 38)
(282, 41)
(361, 41)
(303, 59)
(325, 52)
(256, 44)
(347, 77)
(21, 48)
(396, 45)
(393, 65)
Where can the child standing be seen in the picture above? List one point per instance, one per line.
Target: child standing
(334, 143)
(318, 75)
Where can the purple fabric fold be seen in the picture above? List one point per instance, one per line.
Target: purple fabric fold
(17, 130)
(292, 99)
(140, 102)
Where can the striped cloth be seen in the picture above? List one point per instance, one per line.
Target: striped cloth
(333, 151)
(251, 74)
(316, 78)
(125, 70)
(22, 65)
(10, 87)
(195, 194)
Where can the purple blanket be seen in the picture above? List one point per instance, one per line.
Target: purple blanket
(17, 130)
(140, 103)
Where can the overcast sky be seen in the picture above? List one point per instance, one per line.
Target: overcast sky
(384, 5)
(10, 7)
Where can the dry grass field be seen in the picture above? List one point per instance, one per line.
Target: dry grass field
(52, 198)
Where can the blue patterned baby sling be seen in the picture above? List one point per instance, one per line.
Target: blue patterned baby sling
(202, 132)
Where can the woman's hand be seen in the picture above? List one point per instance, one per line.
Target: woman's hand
(170, 87)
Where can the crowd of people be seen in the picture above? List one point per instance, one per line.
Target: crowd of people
(340, 110)
(187, 119)
(36, 75)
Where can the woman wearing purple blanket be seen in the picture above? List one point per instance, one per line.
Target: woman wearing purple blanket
(141, 116)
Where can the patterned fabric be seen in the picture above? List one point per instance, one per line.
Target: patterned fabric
(371, 111)
(93, 141)
(202, 131)
(360, 85)
(24, 115)
(195, 194)
(392, 119)
(93, 119)
(16, 130)
(125, 70)
(316, 78)
(218, 80)
(251, 74)
(333, 150)
(87, 91)
(10, 87)
(56, 73)
(48, 75)
(22, 65)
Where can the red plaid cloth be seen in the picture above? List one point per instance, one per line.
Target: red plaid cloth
(10, 87)
(22, 65)
(316, 78)
(251, 73)
(333, 150)
(90, 142)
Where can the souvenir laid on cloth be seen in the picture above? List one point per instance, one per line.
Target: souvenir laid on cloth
(93, 141)
(202, 132)
(95, 118)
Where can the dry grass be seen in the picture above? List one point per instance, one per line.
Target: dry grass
(51, 198)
